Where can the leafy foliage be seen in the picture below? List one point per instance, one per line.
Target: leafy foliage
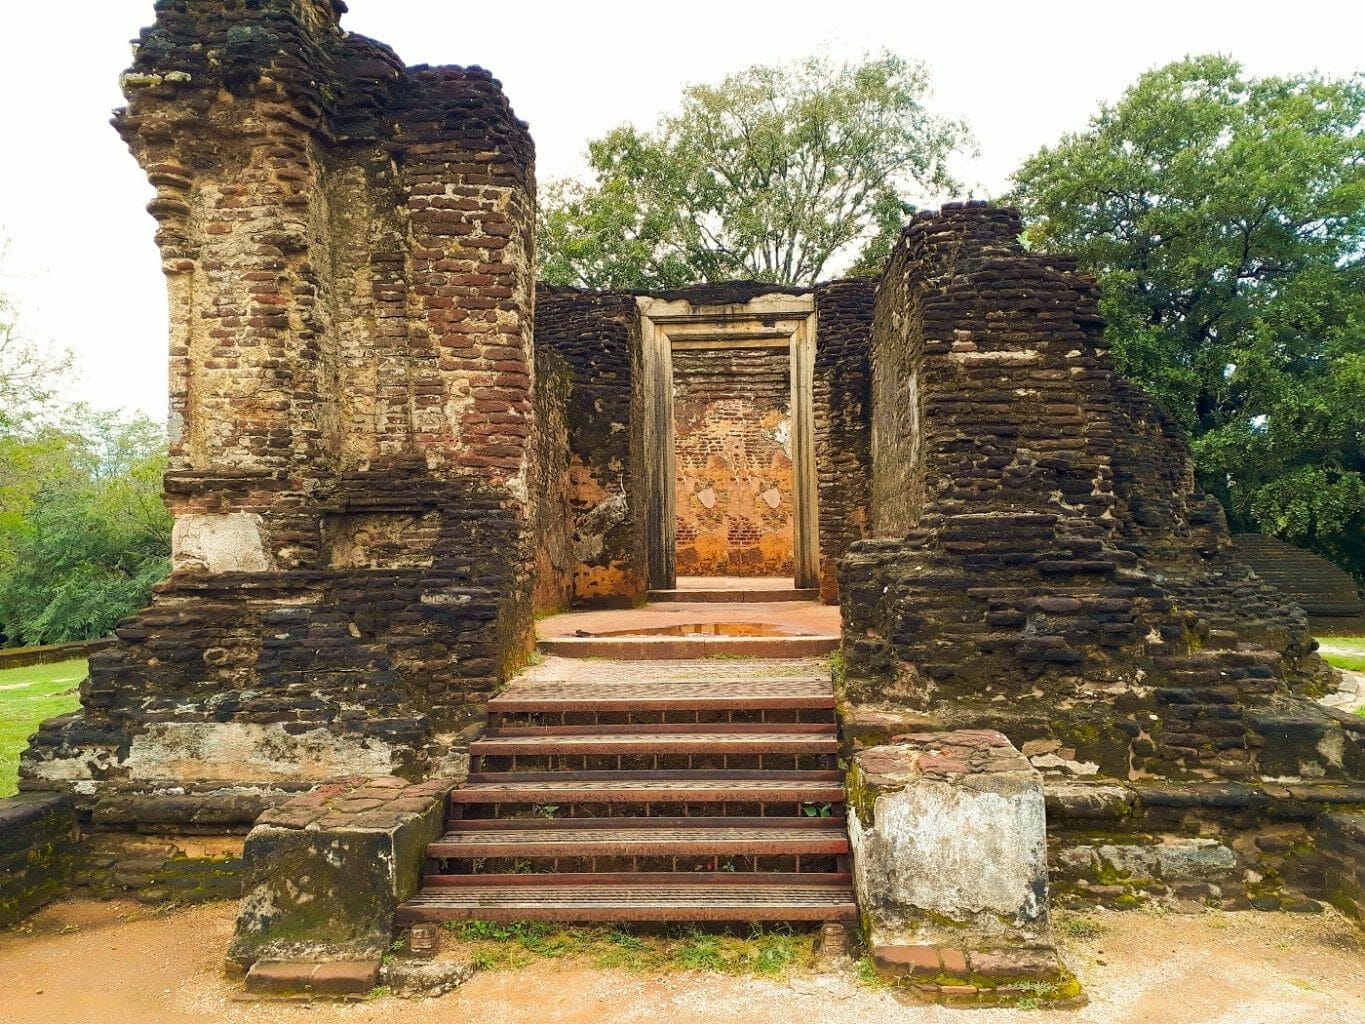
(83, 532)
(774, 174)
(1225, 217)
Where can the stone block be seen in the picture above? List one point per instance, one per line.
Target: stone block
(1087, 801)
(37, 846)
(1128, 861)
(427, 978)
(949, 852)
(1194, 860)
(324, 882)
(1341, 841)
(337, 978)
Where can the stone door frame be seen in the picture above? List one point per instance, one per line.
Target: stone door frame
(772, 320)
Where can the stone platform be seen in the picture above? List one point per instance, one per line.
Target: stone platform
(949, 844)
(329, 869)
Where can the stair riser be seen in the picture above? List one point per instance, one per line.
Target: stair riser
(697, 807)
(555, 862)
(820, 713)
(410, 915)
(677, 648)
(653, 762)
(731, 596)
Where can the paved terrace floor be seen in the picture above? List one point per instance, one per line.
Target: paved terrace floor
(796, 618)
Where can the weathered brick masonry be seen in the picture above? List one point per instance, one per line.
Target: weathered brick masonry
(597, 336)
(843, 436)
(379, 475)
(348, 250)
(1046, 566)
(732, 417)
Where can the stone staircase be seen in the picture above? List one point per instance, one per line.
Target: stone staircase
(1324, 591)
(649, 790)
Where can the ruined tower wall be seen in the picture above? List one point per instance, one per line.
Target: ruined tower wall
(349, 256)
(843, 433)
(1044, 563)
(597, 336)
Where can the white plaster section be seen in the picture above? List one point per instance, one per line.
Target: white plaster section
(231, 542)
(236, 751)
(997, 356)
(80, 768)
(948, 849)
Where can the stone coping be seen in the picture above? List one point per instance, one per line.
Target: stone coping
(940, 755)
(379, 804)
(23, 657)
(1113, 799)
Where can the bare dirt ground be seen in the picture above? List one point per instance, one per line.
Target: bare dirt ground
(102, 962)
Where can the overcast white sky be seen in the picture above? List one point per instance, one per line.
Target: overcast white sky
(82, 267)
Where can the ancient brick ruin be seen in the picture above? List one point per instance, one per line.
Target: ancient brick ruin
(347, 245)
(1042, 562)
(391, 450)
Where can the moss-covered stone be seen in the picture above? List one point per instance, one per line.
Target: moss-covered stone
(37, 850)
(328, 870)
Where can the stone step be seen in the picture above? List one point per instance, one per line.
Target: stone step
(672, 648)
(683, 695)
(662, 740)
(720, 896)
(640, 837)
(695, 788)
(728, 596)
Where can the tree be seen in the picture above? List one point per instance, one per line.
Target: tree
(1225, 217)
(28, 371)
(83, 532)
(775, 174)
(85, 535)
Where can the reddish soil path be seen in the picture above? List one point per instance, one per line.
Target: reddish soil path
(102, 962)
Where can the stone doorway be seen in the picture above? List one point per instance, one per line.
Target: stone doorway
(729, 441)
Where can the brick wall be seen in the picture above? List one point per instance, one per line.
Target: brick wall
(1045, 565)
(732, 420)
(349, 259)
(37, 852)
(843, 435)
(597, 335)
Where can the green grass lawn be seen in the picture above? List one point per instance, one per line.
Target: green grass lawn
(27, 696)
(1346, 652)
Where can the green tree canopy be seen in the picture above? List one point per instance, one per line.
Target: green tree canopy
(1225, 217)
(776, 174)
(83, 532)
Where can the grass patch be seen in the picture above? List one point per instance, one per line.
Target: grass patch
(1346, 652)
(770, 952)
(1078, 926)
(27, 696)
